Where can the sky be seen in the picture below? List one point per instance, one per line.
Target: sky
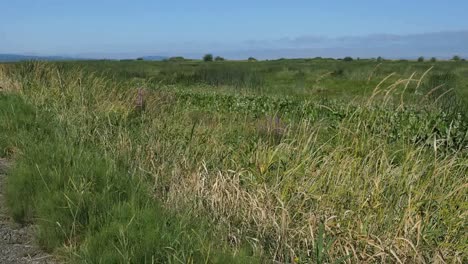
(235, 29)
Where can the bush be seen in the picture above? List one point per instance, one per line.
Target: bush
(337, 73)
(208, 58)
(433, 59)
(456, 58)
(178, 58)
(347, 59)
(252, 59)
(421, 59)
(218, 58)
(140, 59)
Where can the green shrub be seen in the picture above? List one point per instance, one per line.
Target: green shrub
(208, 57)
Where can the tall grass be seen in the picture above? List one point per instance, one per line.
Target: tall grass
(285, 179)
(221, 75)
(90, 207)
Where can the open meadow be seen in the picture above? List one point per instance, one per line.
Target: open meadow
(281, 161)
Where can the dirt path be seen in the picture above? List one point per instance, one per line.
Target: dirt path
(16, 242)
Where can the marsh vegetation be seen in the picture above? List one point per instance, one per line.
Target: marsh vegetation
(294, 161)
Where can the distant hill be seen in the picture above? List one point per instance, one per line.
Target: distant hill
(154, 58)
(17, 57)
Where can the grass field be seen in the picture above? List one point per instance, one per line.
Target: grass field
(294, 161)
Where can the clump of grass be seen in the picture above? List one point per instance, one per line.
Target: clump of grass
(272, 128)
(338, 72)
(442, 89)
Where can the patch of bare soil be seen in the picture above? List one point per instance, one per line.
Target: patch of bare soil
(16, 241)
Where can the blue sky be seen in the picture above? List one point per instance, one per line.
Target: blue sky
(105, 28)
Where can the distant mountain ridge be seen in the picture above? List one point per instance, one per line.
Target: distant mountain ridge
(154, 58)
(19, 57)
